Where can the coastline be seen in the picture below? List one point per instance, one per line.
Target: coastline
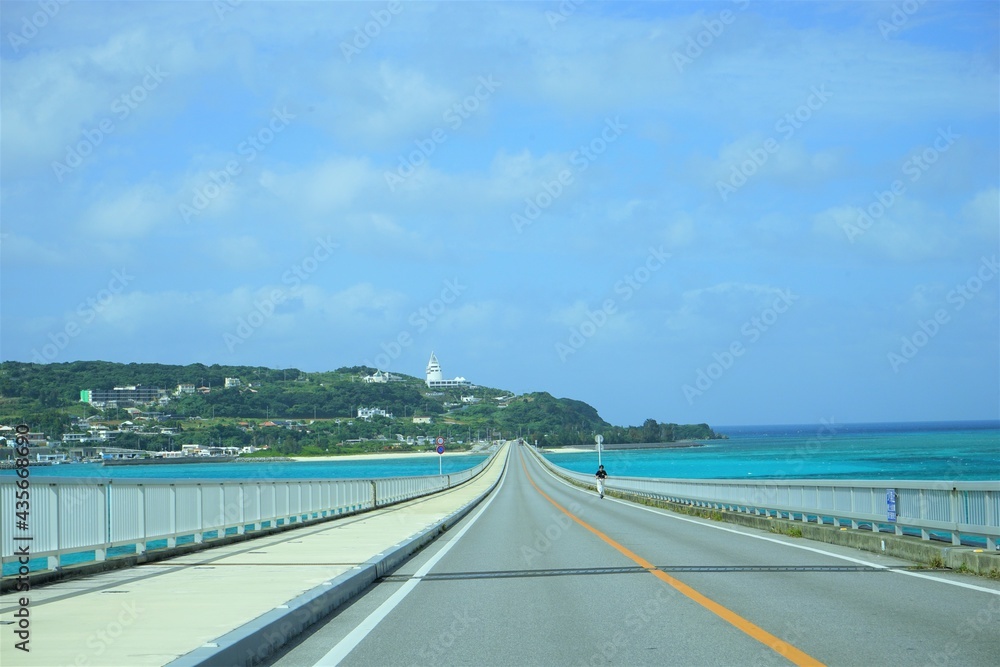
(679, 444)
(381, 455)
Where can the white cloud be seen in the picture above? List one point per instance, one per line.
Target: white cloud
(55, 99)
(238, 252)
(983, 214)
(757, 158)
(679, 230)
(705, 312)
(327, 188)
(384, 103)
(130, 213)
(619, 326)
(906, 231)
(22, 250)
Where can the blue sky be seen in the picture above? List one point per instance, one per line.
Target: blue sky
(733, 213)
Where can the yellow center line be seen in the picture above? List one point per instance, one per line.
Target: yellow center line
(777, 645)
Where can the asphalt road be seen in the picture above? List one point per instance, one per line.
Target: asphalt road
(543, 573)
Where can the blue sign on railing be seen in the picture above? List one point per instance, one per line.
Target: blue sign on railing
(890, 505)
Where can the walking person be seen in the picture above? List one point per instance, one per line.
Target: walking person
(601, 475)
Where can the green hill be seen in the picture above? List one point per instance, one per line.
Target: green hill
(317, 411)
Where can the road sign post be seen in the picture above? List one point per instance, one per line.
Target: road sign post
(599, 439)
(890, 505)
(440, 451)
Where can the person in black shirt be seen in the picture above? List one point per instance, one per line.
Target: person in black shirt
(601, 475)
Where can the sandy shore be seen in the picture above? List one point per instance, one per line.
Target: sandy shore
(380, 455)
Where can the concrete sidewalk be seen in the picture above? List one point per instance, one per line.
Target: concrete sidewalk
(233, 604)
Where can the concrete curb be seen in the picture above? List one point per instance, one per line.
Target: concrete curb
(253, 642)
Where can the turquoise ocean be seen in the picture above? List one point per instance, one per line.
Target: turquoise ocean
(968, 450)
(953, 451)
(376, 467)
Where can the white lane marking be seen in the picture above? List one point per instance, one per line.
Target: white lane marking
(348, 643)
(858, 561)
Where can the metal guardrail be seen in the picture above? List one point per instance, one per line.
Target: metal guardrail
(929, 508)
(74, 515)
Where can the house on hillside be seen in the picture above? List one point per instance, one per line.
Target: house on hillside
(378, 378)
(368, 413)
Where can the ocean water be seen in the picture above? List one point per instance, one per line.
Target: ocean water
(376, 467)
(953, 451)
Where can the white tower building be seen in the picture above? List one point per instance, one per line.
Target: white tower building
(435, 380)
(433, 371)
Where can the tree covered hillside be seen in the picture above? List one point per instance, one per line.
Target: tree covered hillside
(324, 405)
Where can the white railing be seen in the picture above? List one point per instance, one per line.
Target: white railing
(73, 515)
(950, 509)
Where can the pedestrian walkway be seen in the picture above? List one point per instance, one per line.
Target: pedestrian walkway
(232, 603)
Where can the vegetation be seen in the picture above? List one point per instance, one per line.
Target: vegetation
(316, 411)
(784, 529)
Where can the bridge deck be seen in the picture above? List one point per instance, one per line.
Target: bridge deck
(541, 573)
(155, 613)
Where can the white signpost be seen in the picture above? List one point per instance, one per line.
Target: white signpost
(599, 439)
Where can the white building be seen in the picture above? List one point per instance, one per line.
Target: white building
(435, 379)
(232, 383)
(368, 413)
(378, 378)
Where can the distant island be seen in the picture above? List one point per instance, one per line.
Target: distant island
(287, 412)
